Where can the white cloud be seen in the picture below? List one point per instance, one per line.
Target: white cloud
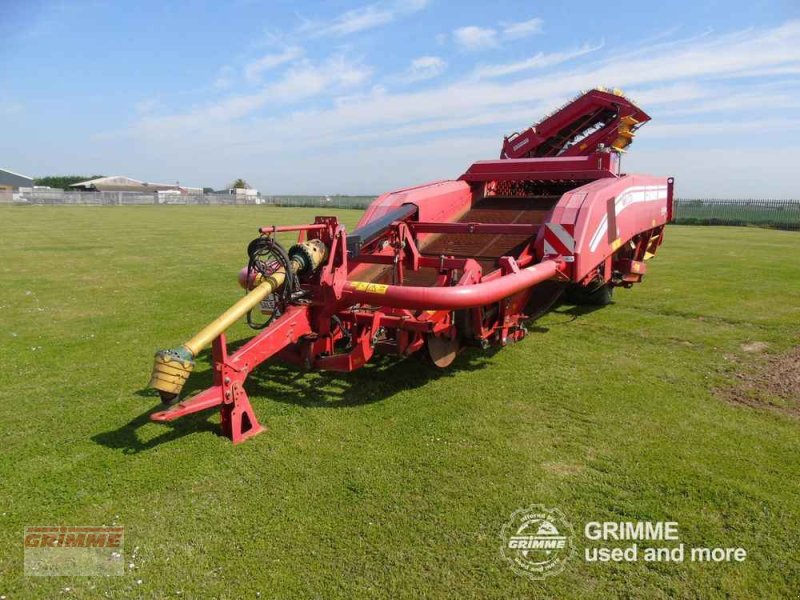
(473, 37)
(300, 81)
(686, 69)
(678, 83)
(513, 31)
(722, 172)
(254, 69)
(353, 21)
(362, 18)
(309, 79)
(706, 129)
(538, 61)
(422, 68)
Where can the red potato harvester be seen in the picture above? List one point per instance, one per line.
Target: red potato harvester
(444, 265)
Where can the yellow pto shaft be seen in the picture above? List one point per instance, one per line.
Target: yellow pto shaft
(171, 368)
(244, 305)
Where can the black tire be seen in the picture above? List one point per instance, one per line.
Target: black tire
(592, 295)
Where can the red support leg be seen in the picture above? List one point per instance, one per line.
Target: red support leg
(239, 421)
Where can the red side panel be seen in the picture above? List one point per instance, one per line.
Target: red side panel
(600, 217)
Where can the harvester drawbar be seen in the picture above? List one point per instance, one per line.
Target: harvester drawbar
(438, 267)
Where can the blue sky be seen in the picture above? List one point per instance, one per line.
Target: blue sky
(364, 97)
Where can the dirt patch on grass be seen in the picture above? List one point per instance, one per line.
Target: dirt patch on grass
(755, 346)
(773, 384)
(562, 468)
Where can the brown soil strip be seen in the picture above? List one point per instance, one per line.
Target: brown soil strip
(774, 384)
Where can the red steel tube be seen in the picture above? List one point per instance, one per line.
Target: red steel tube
(453, 297)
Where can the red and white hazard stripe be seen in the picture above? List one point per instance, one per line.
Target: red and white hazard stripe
(559, 240)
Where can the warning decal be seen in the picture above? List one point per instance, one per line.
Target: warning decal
(370, 288)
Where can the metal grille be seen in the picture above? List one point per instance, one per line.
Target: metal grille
(529, 188)
(781, 214)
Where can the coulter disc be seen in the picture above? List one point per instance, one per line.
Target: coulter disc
(442, 350)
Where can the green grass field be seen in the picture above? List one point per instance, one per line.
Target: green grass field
(396, 480)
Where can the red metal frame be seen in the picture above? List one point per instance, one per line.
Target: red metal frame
(230, 371)
(553, 136)
(579, 168)
(393, 294)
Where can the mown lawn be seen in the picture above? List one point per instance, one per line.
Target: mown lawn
(396, 480)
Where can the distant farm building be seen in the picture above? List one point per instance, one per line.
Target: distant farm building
(10, 181)
(119, 183)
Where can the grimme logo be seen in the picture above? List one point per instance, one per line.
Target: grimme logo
(62, 550)
(537, 541)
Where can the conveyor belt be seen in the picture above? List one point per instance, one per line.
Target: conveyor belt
(485, 248)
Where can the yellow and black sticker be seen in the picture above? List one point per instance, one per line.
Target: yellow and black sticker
(370, 288)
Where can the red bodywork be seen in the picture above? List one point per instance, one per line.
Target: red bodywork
(593, 120)
(465, 262)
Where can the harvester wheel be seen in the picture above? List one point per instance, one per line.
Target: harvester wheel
(591, 295)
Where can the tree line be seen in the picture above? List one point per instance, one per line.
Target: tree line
(62, 181)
